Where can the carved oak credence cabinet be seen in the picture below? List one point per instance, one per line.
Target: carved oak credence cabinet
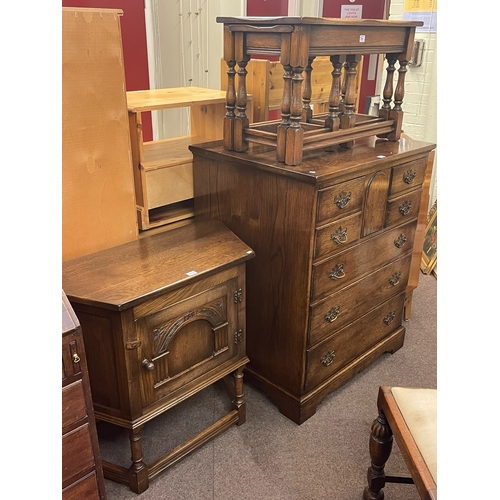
(162, 318)
(81, 462)
(333, 239)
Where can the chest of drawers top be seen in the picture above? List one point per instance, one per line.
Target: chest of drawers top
(322, 168)
(129, 274)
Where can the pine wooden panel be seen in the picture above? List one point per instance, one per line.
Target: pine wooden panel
(98, 202)
(175, 97)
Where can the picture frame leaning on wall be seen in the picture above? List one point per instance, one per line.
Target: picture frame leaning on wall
(429, 253)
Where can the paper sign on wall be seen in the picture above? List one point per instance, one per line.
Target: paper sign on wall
(351, 11)
(422, 10)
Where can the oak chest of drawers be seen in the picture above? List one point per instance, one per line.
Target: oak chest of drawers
(162, 317)
(81, 464)
(333, 239)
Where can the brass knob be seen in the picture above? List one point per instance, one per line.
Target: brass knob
(148, 364)
(76, 358)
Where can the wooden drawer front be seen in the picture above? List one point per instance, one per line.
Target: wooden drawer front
(351, 265)
(77, 455)
(343, 347)
(339, 309)
(160, 182)
(335, 237)
(340, 200)
(72, 353)
(408, 175)
(73, 404)
(403, 208)
(188, 339)
(86, 489)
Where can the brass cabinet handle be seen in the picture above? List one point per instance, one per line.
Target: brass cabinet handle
(332, 314)
(342, 199)
(76, 358)
(404, 208)
(336, 272)
(327, 359)
(340, 236)
(400, 240)
(409, 176)
(390, 318)
(394, 279)
(149, 365)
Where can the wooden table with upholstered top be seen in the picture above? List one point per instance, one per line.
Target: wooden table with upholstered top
(409, 414)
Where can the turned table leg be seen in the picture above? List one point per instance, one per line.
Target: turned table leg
(380, 450)
(239, 400)
(138, 472)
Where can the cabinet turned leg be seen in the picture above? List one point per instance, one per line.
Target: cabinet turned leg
(239, 401)
(380, 450)
(138, 472)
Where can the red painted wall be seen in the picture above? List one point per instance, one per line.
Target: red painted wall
(135, 55)
(262, 8)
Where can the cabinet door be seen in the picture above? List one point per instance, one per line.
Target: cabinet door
(189, 339)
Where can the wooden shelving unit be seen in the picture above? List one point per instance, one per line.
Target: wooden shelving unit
(163, 171)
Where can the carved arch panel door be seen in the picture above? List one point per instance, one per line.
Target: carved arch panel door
(185, 340)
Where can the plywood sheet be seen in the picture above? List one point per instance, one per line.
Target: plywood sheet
(98, 201)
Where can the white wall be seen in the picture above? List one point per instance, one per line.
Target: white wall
(420, 100)
(185, 46)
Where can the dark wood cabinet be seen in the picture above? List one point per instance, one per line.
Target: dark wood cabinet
(163, 317)
(333, 239)
(82, 475)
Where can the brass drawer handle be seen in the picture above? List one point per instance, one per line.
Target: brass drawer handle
(332, 314)
(390, 318)
(327, 359)
(148, 364)
(394, 279)
(409, 176)
(336, 272)
(342, 199)
(76, 358)
(400, 240)
(340, 236)
(404, 209)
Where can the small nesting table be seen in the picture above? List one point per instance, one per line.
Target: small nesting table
(408, 414)
(297, 41)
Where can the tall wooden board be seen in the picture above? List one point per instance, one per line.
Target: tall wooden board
(98, 201)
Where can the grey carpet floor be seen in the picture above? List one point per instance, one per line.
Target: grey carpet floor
(270, 457)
